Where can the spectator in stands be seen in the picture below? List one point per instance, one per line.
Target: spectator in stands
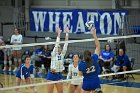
(122, 62)
(105, 58)
(43, 57)
(46, 58)
(36, 56)
(7, 57)
(16, 39)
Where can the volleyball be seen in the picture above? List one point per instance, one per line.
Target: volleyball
(110, 40)
(89, 24)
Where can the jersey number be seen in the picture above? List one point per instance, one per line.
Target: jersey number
(75, 74)
(90, 69)
(59, 57)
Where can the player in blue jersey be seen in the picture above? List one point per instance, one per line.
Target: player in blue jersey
(90, 69)
(25, 73)
(57, 61)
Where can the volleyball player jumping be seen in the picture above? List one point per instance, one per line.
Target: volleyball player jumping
(90, 69)
(57, 60)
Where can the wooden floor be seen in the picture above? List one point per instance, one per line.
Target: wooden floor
(9, 80)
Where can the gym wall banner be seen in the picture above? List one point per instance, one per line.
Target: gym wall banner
(106, 22)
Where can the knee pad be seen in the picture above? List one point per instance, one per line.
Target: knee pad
(10, 62)
(5, 62)
(15, 59)
(19, 59)
(98, 90)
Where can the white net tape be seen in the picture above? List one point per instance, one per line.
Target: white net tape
(70, 41)
(67, 80)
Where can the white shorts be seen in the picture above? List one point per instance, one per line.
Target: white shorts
(115, 68)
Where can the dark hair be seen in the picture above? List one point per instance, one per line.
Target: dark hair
(109, 47)
(87, 57)
(18, 30)
(26, 58)
(76, 54)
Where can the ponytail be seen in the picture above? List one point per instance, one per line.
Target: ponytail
(87, 58)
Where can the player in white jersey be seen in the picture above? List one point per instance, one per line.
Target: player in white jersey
(57, 60)
(16, 39)
(75, 86)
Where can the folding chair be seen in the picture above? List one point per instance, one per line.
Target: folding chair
(130, 75)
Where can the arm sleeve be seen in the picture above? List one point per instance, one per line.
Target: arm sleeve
(55, 49)
(22, 72)
(95, 57)
(11, 41)
(52, 61)
(64, 48)
(69, 72)
(125, 61)
(80, 66)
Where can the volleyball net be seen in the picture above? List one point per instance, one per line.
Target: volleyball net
(130, 43)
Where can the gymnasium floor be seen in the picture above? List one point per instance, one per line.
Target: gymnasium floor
(108, 86)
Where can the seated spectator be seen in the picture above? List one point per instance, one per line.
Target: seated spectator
(46, 58)
(122, 62)
(43, 57)
(105, 58)
(36, 57)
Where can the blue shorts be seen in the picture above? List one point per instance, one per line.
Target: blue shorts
(89, 85)
(54, 76)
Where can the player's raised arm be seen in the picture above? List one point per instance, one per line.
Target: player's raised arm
(66, 39)
(57, 40)
(97, 44)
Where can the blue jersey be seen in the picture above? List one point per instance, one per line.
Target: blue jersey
(91, 80)
(122, 60)
(92, 71)
(47, 54)
(39, 51)
(106, 55)
(24, 71)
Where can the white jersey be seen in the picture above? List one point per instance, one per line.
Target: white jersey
(16, 40)
(57, 60)
(73, 73)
